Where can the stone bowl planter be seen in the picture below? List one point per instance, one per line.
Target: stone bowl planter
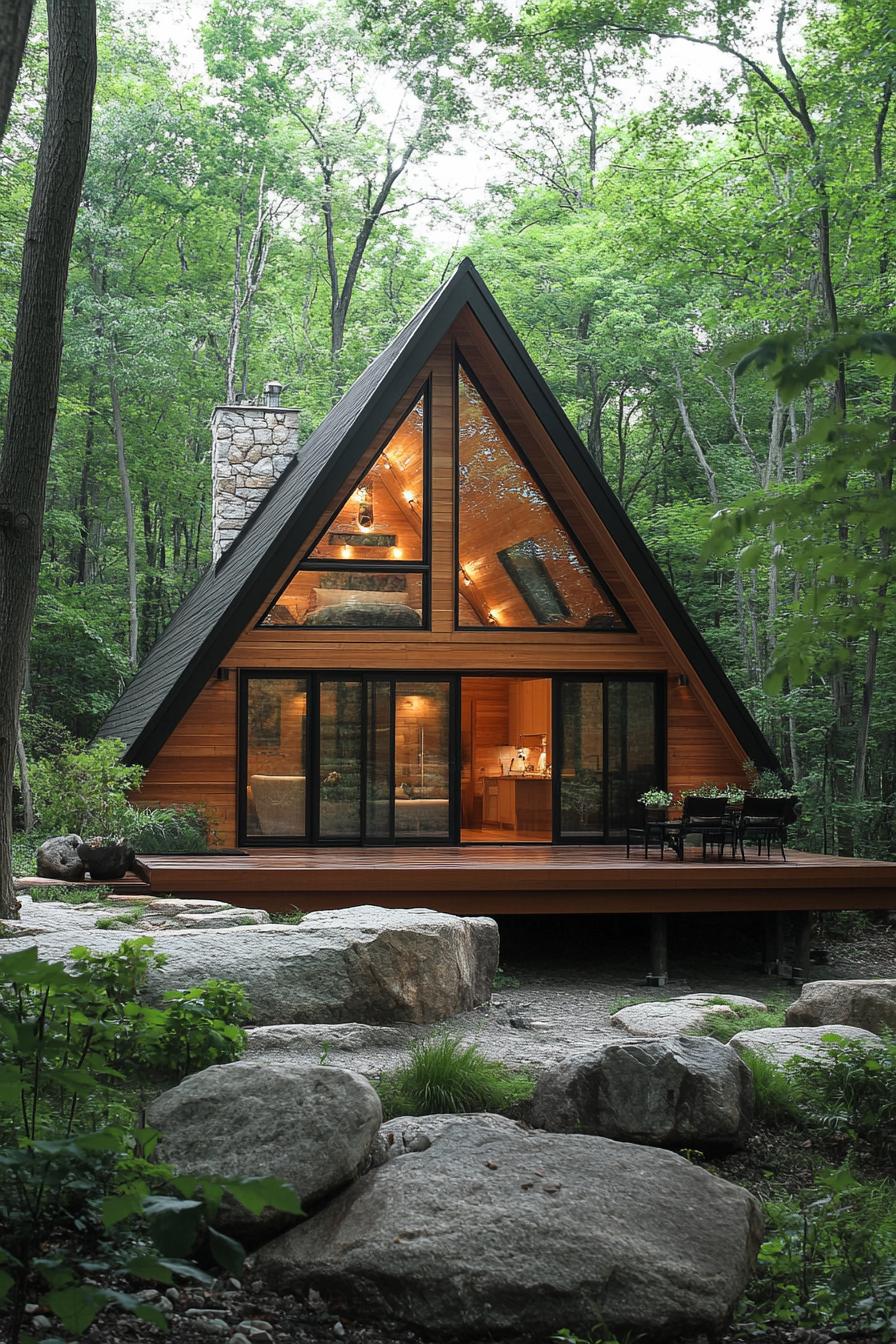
(106, 859)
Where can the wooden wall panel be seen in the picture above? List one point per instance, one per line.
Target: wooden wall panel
(199, 760)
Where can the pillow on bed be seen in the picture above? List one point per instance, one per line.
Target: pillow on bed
(338, 597)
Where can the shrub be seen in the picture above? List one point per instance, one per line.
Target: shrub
(79, 1205)
(829, 1259)
(851, 1089)
(84, 789)
(444, 1075)
(167, 830)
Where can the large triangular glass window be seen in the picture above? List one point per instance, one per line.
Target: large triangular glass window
(518, 567)
(368, 569)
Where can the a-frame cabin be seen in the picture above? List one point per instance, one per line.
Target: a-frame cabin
(439, 626)
(436, 663)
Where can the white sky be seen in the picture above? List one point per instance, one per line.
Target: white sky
(464, 173)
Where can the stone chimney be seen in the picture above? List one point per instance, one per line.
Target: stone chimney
(251, 448)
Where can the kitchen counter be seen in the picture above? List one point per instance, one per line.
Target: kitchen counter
(521, 802)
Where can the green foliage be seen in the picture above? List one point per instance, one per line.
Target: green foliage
(724, 1026)
(852, 1090)
(294, 916)
(84, 789)
(656, 798)
(443, 1075)
(79, 1202)
(775, 1092)
(829, 1259)
(504, 981)
(168, 830)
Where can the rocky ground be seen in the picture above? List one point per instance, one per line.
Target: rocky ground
(558, 986)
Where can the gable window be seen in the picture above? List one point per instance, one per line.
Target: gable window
(369, 567)
(517, 565)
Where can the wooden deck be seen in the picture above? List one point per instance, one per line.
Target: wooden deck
(521, 879)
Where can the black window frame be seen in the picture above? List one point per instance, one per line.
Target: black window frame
(454, 678)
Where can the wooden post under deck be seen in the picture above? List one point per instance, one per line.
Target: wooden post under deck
(659, 950)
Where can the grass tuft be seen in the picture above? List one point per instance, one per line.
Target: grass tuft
(444, 1075)
(775, 1090)
(723, 1026)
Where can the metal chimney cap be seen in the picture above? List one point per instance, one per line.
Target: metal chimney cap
(272, 393)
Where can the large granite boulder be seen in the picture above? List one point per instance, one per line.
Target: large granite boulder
(853, 1003)
(684, 1091)
(516, 1232)
(364, 964)
(311, 1127)
(58, 857)
(685, 1015)
(779, 1045)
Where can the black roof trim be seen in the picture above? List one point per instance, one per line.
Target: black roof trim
(226, 598)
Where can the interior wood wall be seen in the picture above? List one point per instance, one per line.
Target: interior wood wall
(198, 762)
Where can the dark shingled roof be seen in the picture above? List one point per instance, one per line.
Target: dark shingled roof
(225, 599)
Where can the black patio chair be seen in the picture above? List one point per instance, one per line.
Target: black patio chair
(766, 820)
(709, 818)
(652, 829)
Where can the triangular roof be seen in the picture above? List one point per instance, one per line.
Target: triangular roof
(230, 592)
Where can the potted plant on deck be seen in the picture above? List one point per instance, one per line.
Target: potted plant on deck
(655, 803)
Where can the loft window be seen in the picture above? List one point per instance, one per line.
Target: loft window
(369, 567)
(518, 566)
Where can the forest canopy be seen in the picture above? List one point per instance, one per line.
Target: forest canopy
(686, 210)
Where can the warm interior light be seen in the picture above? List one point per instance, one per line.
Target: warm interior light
(386, 463)
(397, 552)
(409, 496)
(493, 617)
(346, 552)
(364, 496)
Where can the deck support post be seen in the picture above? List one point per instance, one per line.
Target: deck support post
(801, 959)
(774, 951)
(659, 951)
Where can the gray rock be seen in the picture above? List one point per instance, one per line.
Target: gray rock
(779, 1045)
(58, 857)
(324, 1038)
(364, 964)
(685, 1015)
(219, 919)
(854, 1003)
(415, 1133)
(311, 1127)
(524, 1230)
(687, 1091)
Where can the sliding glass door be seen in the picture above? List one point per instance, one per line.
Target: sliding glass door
(367, 758)
(357, 759)
(611, 747)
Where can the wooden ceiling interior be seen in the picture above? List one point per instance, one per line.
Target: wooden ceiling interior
(518, 565)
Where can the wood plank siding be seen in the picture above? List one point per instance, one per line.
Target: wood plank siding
(199, 759)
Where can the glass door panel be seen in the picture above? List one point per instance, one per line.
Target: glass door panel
(379, 784)
(632, 765)
(339, 759)
(275, 779)
(610, 753)
(422, 760)
(582, 770)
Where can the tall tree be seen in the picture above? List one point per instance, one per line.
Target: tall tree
(15, 20)
(34, 375)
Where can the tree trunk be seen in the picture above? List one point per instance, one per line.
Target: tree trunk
(15, 20)
(128, 505)
(34, 374)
